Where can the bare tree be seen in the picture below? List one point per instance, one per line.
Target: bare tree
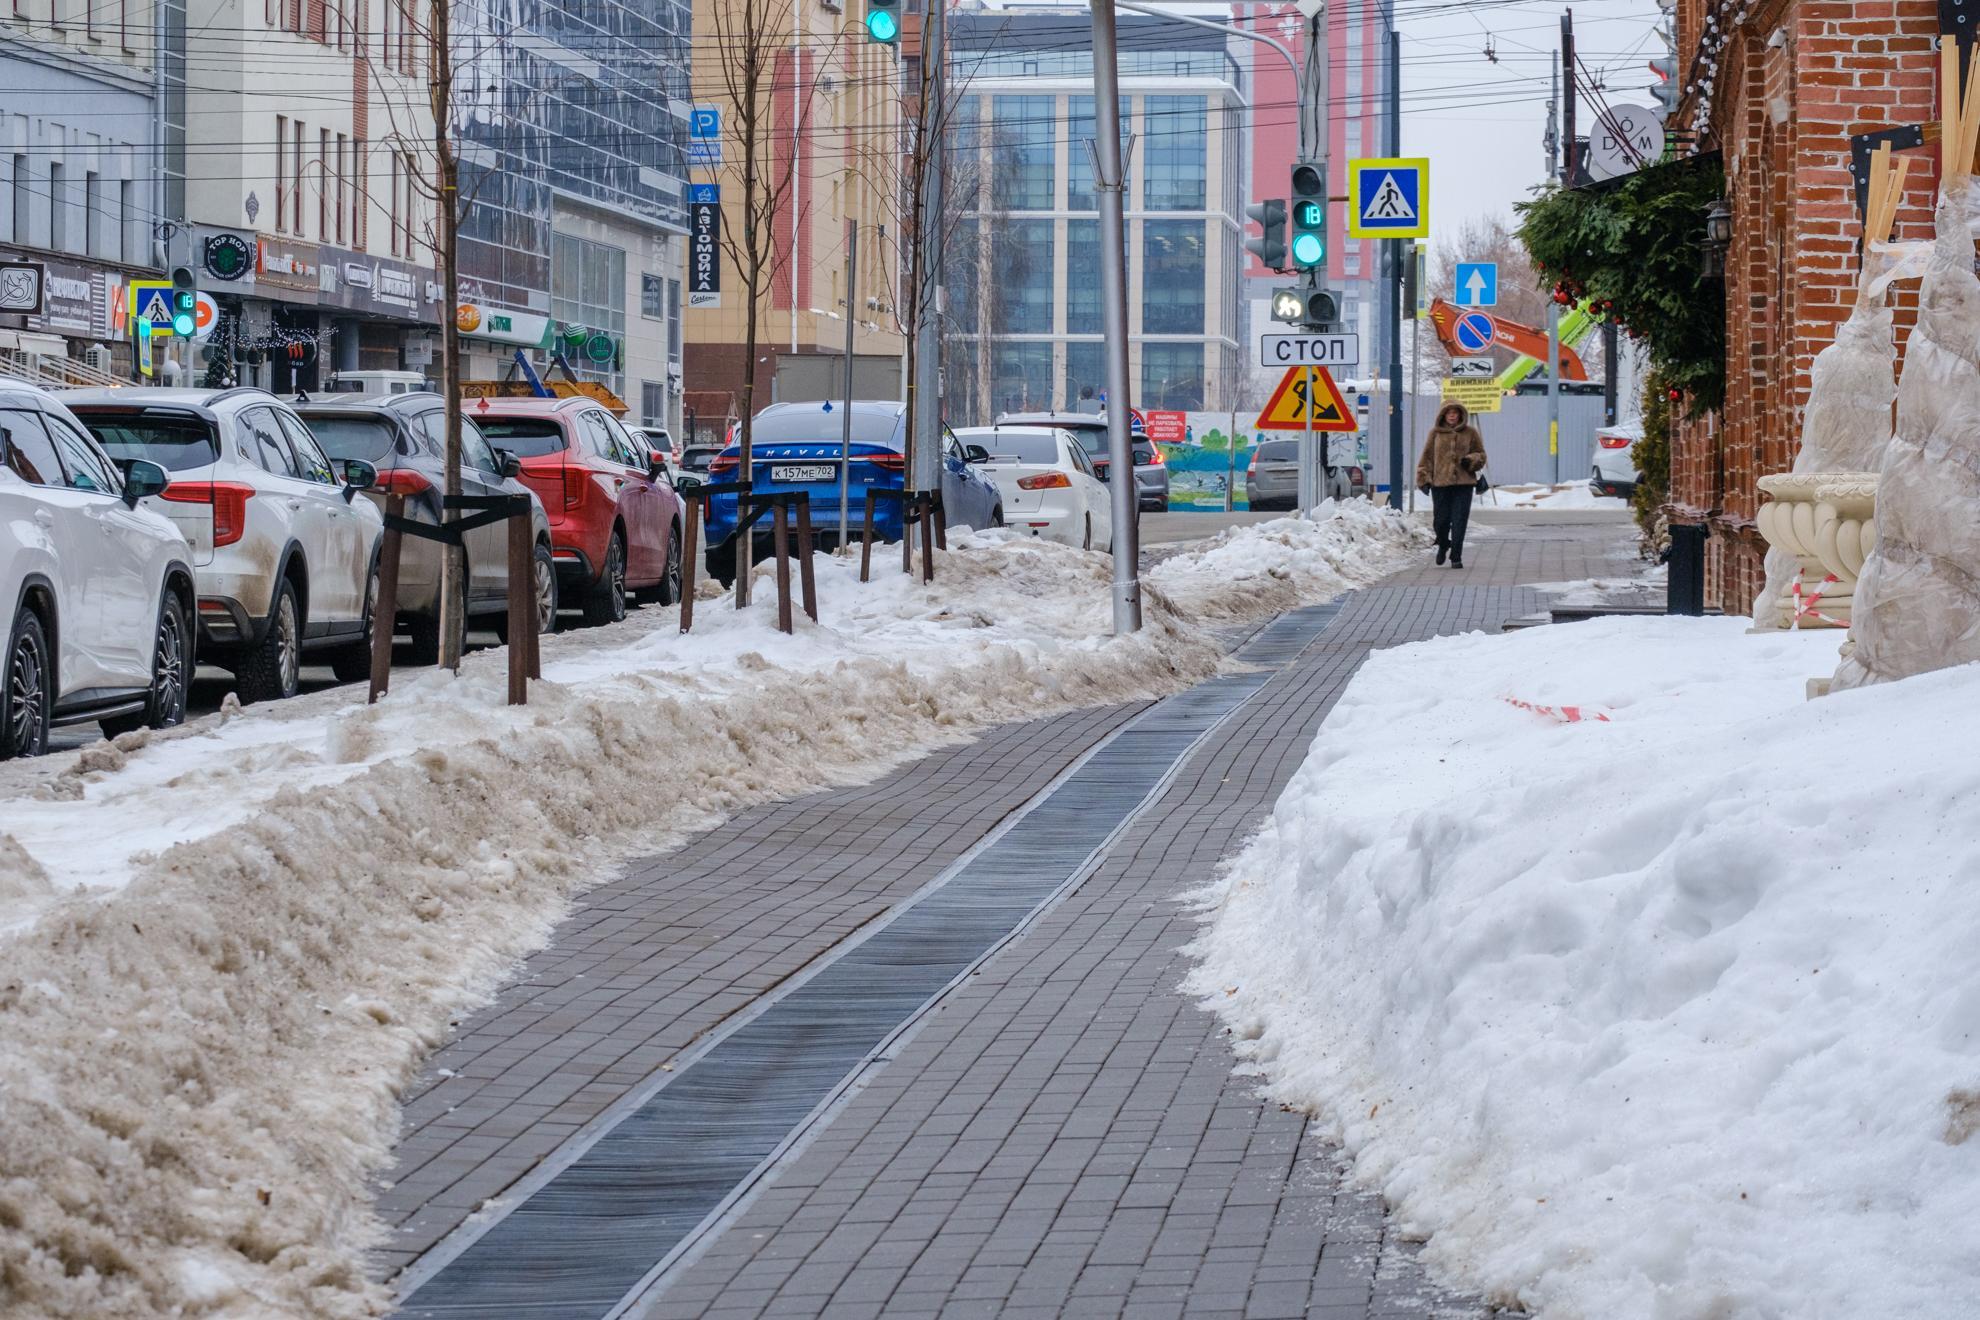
(761, 57)
(1491, 238)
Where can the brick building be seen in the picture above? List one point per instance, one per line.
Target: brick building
(1780, 93)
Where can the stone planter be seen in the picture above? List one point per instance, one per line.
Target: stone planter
(1827, 521)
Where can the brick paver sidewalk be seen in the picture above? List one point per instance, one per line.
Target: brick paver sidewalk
(1064, 1135)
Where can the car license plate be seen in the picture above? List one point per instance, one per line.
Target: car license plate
(803, 472)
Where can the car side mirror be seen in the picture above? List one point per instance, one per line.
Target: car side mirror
(656, 468)
(358, 475)
(975, 454)
(143, 478)
(507, 463)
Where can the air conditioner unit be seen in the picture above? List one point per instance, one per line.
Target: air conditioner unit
(98, 357)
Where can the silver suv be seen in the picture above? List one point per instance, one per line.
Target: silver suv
(285, 552)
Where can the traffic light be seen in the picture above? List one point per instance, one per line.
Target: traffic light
(185, 302)
(1665, 89)
(1270, 245)
(883, 21)
(1322, 307)
(1309, 215)
(1289, 305)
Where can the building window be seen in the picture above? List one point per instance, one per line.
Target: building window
(653, 404)
(343, 151)
(588, 288)
(1083, 314)
(397, 223)
(1021, 131)
(126, 217)
(1086, 376)
(322, 184)
(1020, 377)
(94, 214)
(1024, 272)
(653, 297)
(295, 177)
(1174, 166)
(23, 189)
(1172, 277)
(959, 281)
(58, 219)
(1079, 161)
(281, 174)
(674, 320)
(1171, 376)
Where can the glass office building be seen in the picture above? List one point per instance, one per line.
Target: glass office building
(1024, 317)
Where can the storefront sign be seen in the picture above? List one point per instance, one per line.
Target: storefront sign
(704, 245)
(282, 264)
(23, 286)
(360, 282)
(502, 325)
(228, 256)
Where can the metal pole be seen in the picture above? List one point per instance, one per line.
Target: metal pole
(1570, 156)
(1314, 146)
(1307, 481)
(1110, 184)
(927, 474)
(1554, 308)
(1415, 380)
(1230, 452)
(1394, 249)
(846, 422)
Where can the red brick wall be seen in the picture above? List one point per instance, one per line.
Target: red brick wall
(1794, 84)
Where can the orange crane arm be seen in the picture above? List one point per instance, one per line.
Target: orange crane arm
(1523, 339)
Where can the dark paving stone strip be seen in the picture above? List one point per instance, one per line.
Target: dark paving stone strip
(578, 1244)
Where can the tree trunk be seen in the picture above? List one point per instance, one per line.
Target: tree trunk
(446, 219)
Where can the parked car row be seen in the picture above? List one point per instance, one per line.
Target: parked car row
(144, 529)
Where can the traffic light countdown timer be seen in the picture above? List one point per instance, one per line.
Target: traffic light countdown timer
(185, 302)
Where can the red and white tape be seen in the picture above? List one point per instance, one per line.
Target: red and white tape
(1804, 603)
(1565, 714)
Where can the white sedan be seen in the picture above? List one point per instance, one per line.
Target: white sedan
(1050, 489)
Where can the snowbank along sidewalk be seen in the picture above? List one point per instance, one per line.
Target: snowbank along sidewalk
(226, 947)
(1633, 1022)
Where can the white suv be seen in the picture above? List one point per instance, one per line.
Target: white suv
(98, 592)
(285, 554)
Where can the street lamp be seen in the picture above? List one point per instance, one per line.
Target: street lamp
(1718, 238)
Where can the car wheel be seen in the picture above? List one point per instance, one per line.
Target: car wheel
(352, 661)
(997, 516)
(170, 669)
(607, 601)
(545, 576)
(26, 689)
(670, 582)
(271, 669)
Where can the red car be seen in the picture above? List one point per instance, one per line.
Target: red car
(615, 521)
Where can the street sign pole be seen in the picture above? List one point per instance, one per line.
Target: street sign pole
(1394, 127)
(1110, 184)
(1306, 473)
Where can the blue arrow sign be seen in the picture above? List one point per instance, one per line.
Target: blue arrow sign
(1474, 332)
(1477, 283)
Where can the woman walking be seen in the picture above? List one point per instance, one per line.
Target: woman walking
(1453, 457)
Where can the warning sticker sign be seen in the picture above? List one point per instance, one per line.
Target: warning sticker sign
(1307, 399)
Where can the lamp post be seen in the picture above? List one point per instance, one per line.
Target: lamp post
(1718, 238)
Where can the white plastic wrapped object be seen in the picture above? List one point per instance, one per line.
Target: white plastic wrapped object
(1917, 605)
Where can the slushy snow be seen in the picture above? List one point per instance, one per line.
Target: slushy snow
(1630, 1022)
(227, 947)
(1567, 495)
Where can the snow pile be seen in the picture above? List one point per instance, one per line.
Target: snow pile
(1567, 495)
(227, 947)
(1917, 603)
(199, 1057)
(1629, 1021)
(1276, 565)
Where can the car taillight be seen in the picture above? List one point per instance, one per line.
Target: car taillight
(228, 498)
(1045, 481)
(1155, 458)
(1614, 441)
(577, 483)
(402, 481)
(1251, 468)
(724, 463)
(888, 460)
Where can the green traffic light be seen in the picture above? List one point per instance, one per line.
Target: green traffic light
(1308, 250)
(1309, 215)
(182, 325)
(882, 26)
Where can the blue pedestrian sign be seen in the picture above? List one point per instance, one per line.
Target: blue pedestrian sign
(1477, 283)
(1474, 332)
(1388, 197)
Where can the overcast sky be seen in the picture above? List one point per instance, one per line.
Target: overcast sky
(1481, 122)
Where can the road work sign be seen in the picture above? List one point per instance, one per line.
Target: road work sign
(1479, 396)
(1389, 197)
(1309, 350)
(1477, 283)
(1307, 399)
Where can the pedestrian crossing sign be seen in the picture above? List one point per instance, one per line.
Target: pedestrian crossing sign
(1388, 197)
(1303, 404)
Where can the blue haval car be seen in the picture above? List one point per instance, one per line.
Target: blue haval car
(796, 446)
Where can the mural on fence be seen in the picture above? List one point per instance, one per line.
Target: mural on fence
(1206, 461)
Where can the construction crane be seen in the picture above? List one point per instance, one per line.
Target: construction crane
(1529, 343)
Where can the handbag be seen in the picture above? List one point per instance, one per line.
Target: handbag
(1482, 485)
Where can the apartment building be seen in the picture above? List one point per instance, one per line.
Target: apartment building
(90, 165)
